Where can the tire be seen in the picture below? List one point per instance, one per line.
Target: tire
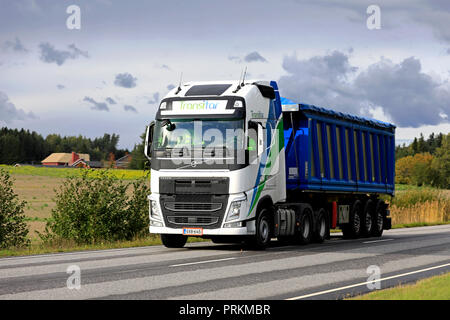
(173, 240)
(321, 225)
(352, 230)
(378, 219)
(305, 231)
(367, 218)
(264, 230)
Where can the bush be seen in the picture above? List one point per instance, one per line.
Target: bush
(409, 198)
(441, 165)
(13, 229)
(419, 206)
(99, 207)
(425, 168)
(414, 170)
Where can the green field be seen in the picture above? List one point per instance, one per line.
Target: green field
(70, 172)
(435, 288)
(37, 186)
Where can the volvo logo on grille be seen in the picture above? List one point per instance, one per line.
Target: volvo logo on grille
(193, 164)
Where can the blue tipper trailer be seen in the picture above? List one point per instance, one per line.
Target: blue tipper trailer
(342, 160)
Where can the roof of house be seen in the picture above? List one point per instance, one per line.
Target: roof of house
(65, 157)
(125, 158)
(78, 162)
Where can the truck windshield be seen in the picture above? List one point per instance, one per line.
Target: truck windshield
(190, 133)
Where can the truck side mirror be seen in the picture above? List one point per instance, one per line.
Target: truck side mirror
(260, 147)
(149, 140)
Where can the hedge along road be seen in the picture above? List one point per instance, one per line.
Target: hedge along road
(331, 270)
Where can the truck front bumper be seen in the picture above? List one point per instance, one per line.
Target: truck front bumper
(206, 232)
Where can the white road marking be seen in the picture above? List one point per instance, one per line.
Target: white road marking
(84, 252)
(367, 282)
(382, 240)
(200, 262)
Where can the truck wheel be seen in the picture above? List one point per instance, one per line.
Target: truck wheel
(173, 240)
(367, 219)
(378, 219)
(263, 230)
(305, 230)
(352, 230)
(320, 231)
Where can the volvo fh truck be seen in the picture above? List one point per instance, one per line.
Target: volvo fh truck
(232, 161)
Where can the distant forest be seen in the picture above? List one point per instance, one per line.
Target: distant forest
(420, 145)
(424, 161)
(23, 146)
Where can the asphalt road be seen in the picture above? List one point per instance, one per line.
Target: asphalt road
(331, 270)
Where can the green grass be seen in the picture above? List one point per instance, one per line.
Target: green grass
(434, 288)
(36, 219)
(68, 246)
(408, 198)
(125, 174)
(402, 187)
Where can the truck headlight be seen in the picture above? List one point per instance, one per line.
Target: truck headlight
(235, 210)
(154, 223)
(154, 210)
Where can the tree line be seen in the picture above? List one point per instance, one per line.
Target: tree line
(424, 161)
(420, 145)
(23, 146)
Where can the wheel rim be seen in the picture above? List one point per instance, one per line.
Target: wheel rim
(306, 228)
(322, 227)
(356, 222)
(368, 221)
(264, 230)
(379, 221)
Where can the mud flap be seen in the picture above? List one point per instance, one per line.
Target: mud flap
(387, 223)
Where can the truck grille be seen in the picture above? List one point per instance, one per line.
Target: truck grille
(193, 220)
(192, 206)
(196, 210)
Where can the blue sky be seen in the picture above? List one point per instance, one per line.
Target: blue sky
(109, 75)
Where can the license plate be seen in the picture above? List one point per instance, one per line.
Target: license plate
(193, 231)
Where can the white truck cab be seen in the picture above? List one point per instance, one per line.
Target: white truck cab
(217, 162)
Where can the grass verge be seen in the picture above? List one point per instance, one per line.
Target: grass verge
(434, 288)
(68, 246)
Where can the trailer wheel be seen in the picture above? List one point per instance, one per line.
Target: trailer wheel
(173, 240)
(379, 214)
(352, 230)
(305, 231)
(320, 232)
(367, 218)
